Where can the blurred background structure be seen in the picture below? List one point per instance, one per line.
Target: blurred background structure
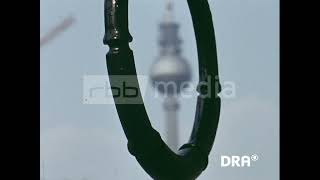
(65, 24)
(80, 140)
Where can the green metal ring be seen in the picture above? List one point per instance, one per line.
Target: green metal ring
(144, 142)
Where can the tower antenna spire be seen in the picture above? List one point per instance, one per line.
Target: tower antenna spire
(169, 11)
(169, 5)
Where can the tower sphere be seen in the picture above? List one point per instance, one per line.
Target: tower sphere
(169, 72)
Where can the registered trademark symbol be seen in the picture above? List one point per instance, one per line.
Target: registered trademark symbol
(254, 157)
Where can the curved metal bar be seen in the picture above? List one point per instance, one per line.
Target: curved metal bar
(144, 142)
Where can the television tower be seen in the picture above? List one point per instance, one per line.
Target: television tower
(171, 69)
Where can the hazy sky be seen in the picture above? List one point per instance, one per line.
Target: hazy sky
(80, 140)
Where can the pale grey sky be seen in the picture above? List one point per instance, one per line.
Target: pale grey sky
(79, 140)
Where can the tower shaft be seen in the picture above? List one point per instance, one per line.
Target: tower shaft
(171, 107)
